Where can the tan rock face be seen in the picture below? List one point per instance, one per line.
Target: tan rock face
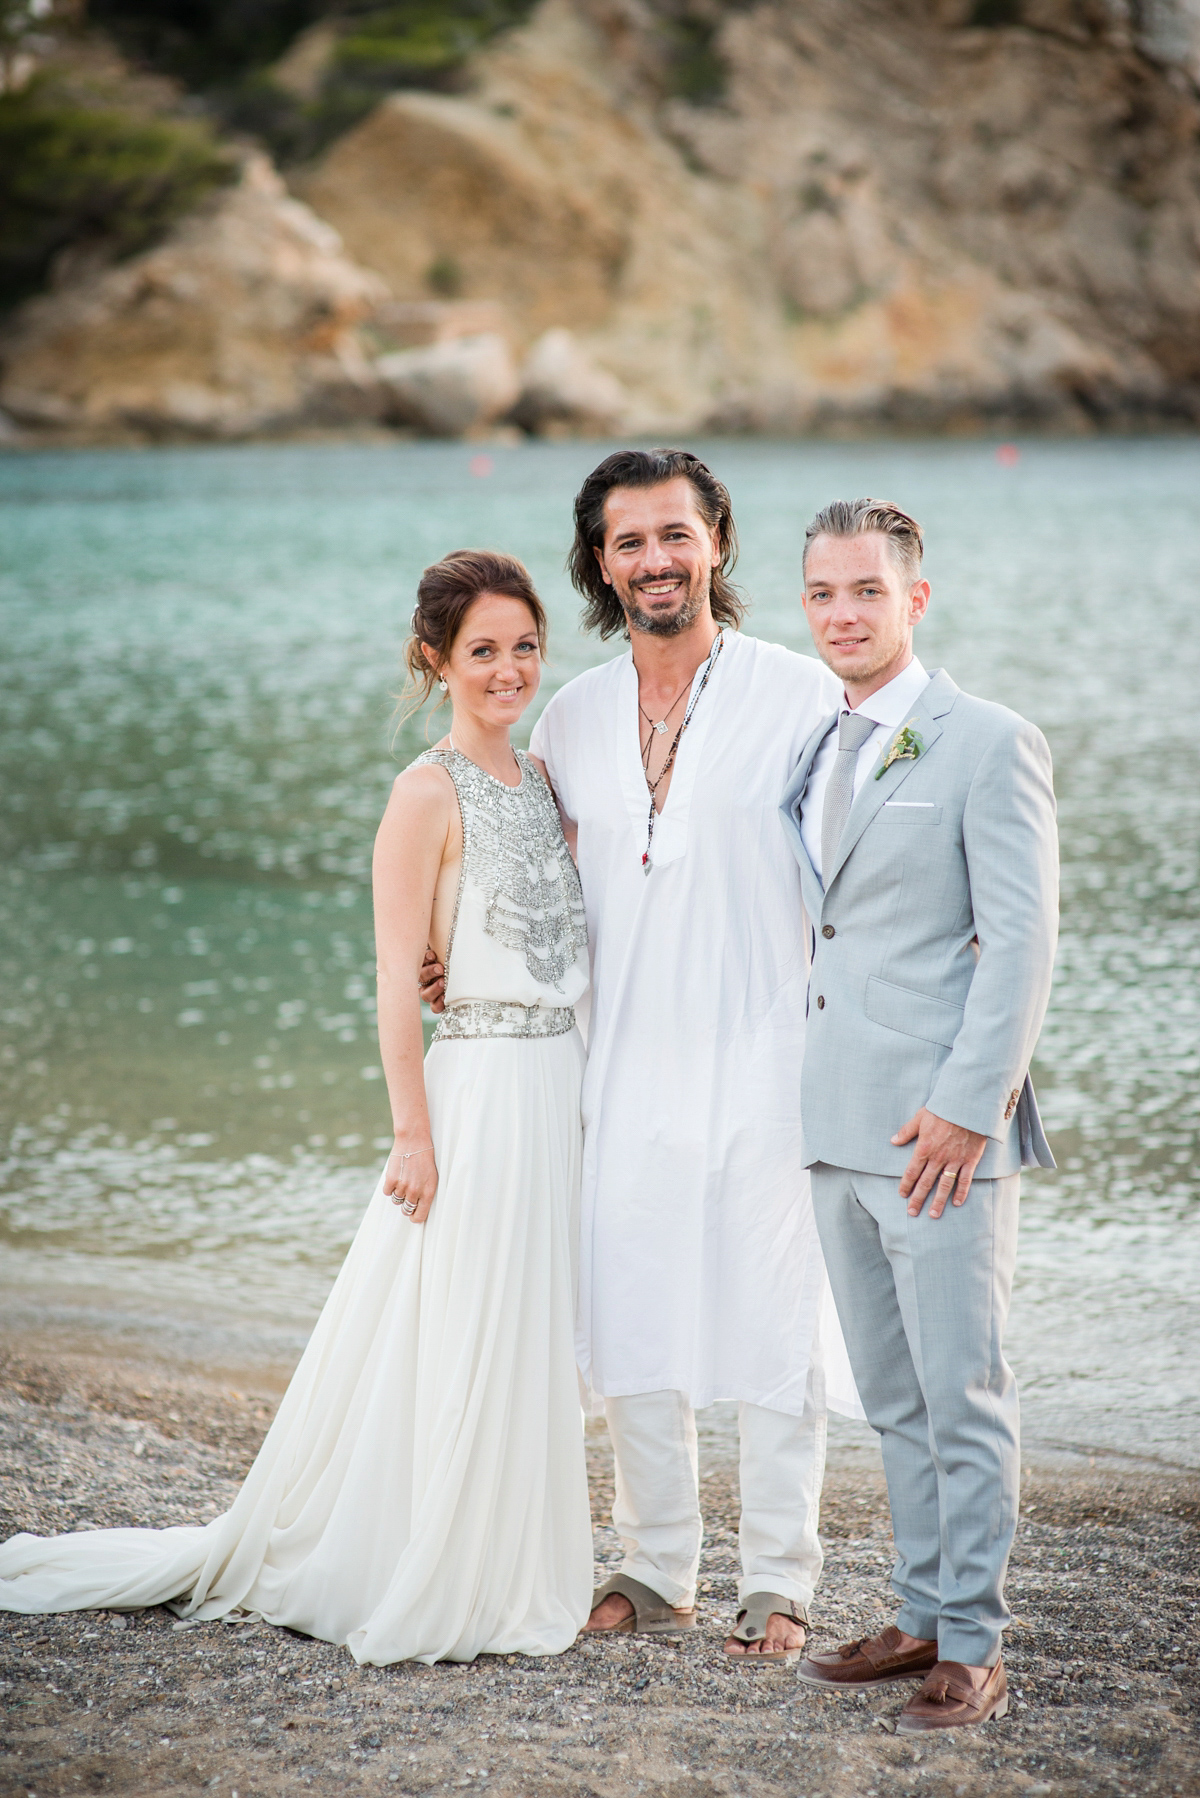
(448, 195)
(563, 391)
(242, 321)
(412, 324)
(451, 388)
(889, 215)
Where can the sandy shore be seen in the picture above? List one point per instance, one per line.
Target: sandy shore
(1104, 1658)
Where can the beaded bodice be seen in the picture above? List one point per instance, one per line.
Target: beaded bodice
(517, 883)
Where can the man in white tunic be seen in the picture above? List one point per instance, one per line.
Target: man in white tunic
(701, 1276)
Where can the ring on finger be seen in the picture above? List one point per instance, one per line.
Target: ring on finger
(949, 1173)
(409, 1207)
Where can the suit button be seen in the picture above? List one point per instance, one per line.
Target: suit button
(828, 930)
(820, 1001)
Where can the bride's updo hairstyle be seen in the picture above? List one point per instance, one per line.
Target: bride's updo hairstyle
(445, 594)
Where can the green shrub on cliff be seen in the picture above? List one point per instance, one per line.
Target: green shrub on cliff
(225, 49)
(419, 43)
(83, 176)
(205, 43)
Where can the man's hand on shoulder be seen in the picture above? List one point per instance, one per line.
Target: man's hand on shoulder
(943, 1162)
(432, 982)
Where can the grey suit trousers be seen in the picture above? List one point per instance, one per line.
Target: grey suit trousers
(923, 1302)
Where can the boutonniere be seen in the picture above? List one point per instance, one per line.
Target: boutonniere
(905, 747)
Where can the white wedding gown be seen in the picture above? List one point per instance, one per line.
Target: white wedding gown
(421, 1493)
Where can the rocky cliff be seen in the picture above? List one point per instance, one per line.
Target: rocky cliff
(883, 212)
(817, 214)
(241, 323)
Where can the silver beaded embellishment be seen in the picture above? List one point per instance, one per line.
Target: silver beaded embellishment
(495, 1017)
(515, 853)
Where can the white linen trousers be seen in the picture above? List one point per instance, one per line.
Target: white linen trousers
(656, 1511)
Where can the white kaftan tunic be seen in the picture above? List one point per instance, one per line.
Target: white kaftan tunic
(700, 1268)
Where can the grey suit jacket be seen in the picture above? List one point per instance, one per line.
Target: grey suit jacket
(934, 941)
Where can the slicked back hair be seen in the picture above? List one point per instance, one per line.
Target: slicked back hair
(602, 609)
(855, 517)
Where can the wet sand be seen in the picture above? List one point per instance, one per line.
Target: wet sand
(1103, 1659)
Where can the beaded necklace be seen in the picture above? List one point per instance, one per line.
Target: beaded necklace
(710, 664)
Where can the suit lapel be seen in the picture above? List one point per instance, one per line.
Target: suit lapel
(790, 809)
(932, 704)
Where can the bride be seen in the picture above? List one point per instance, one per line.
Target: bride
(421, 1493)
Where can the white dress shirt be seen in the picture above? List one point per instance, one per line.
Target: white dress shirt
(889, 707)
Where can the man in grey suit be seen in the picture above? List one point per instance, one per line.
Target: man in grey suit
(923, 823)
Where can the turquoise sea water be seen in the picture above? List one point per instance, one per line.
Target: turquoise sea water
(199, 649)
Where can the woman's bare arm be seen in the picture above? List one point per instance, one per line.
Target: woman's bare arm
(410, 846)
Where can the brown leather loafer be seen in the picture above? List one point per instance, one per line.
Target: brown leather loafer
(857, 1666)
(948, 1700)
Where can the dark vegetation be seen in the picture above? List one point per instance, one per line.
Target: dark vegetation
(225, 50)
(204, 43)
(91, 171)
(695, 67)
(83, 177)
(996, 12)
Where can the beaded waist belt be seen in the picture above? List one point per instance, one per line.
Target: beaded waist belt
(494, 1017)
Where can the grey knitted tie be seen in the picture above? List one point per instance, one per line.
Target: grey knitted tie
(853, 731)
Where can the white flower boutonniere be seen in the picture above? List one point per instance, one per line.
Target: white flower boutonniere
(906, 746)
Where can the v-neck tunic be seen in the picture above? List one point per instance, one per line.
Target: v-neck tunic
(700, 1268)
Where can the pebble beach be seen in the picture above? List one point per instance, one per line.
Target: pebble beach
(1103, 1656)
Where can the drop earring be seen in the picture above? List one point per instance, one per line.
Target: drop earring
(443, 683)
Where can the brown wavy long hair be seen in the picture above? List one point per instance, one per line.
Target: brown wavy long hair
(602, 609)
(445, 594)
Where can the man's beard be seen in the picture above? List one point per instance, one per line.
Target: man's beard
(664, 624)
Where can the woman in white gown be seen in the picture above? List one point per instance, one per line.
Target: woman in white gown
(421, 1493)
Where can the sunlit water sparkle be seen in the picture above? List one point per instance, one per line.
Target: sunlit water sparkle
(195, 748)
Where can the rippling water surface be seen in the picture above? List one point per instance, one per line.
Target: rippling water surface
(199, 648)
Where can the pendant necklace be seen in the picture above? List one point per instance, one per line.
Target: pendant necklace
(709, 665)
(661, 726)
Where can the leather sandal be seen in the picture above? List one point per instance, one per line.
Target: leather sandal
(652, 1615)
(751, 1626)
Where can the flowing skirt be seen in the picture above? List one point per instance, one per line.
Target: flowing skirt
(421, 1493)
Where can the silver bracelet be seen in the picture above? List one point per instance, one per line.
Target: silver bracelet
(405, 1203)
(408, 1154)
